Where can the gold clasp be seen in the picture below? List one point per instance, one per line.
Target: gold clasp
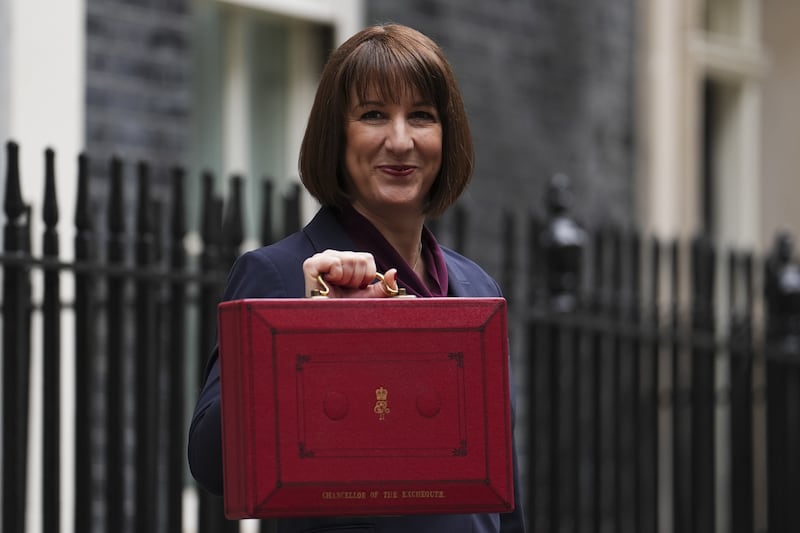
(390, 291)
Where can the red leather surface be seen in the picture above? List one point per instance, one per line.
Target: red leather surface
(365, 407)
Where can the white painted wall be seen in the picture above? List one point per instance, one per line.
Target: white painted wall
(667, 166)
(780, 164)
(5, 79)
(42, 106)
(45, 95)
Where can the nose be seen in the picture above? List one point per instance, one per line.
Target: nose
(400, 137)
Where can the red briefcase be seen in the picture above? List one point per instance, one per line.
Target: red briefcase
(365, 407)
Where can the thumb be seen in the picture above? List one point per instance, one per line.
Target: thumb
(386, 287)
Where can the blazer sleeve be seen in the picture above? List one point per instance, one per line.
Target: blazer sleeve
(254, 275)
(514, 522)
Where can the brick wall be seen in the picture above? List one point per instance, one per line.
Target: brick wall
(138, 91)
(548, 88)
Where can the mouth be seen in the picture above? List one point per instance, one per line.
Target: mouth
(397, 170)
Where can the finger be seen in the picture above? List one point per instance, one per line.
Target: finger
(320, 263)
(355, 270)
(387, 287)
(348, 270)
(390, 278)
(363, 273)
(313, 268)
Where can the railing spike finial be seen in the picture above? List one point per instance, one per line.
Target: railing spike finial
(291, 209)
(209, 224)
(116, 213)
(14, 206)
(233, 219)
(266, 211)
(144, 221)
(50, 206)
(83, 212)
(563, 241)
(178, 222)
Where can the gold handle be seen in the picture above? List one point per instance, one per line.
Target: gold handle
(390, 291)
(323, 292)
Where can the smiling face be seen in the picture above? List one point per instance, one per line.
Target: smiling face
(393, 152)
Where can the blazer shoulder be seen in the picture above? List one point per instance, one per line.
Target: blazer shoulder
(467, 278)
(273, 271)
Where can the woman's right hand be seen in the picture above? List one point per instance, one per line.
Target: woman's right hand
(347, 274)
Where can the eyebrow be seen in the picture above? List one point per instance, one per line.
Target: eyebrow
(368, 103)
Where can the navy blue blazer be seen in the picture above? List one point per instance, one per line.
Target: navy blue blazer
(275, 272)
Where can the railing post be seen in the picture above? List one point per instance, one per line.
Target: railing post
(782, 286)
(563, 242)
(210, 513)
(509, 258)
(682, 486)
(651, 350)
(85, 331)
(210, 261)
(51, 481)
(233, 221)
(16, 348)
(601, 506)
(703, 383)
(613, 417)
(740, 291)
(291, 210)
(534, 254)
(554, 369)
(146, 392)
(176, 449)
(267, 232)
(115, 384)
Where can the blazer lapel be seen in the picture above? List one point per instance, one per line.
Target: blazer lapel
(324, 232)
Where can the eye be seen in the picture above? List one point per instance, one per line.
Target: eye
(423, 116)
(372, 114)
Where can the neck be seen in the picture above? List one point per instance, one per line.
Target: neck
(403, 233)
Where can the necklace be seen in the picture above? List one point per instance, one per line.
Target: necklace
(419, 253)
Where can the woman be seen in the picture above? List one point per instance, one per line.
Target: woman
(387, 144)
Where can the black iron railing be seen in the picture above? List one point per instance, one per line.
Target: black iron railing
(144, 311)
(661, 378)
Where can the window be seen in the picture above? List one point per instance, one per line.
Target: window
(702, 70)
(730, 62)
(256, 70)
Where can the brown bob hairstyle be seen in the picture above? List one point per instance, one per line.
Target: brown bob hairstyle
(391, 59)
